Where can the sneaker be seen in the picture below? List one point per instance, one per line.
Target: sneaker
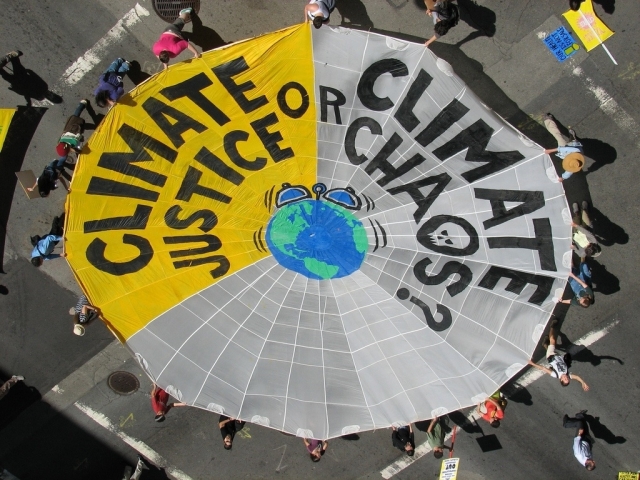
(186, 11)
(19, 378)
(575, 208)
(549, 116)
(14, 54)
(572, 132)
(84, 101)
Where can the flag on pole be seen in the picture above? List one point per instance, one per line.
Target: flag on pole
(586, 24)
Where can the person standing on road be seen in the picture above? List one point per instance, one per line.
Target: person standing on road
(402, 439)
(435, 436)
(159, 403)
(316, 448)
(171, 42)
(43, 246)
(445, 16)
(228, 428)
(492, 409)
(569, 149)
(111, 86)
(580, 283)
(72, 137)
(582, 441)
(82, 313)
(559, 368)
(584, 242)
(319, 11)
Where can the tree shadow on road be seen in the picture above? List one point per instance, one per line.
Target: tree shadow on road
(353, 13)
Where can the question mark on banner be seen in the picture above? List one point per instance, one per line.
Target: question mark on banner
(440, 326)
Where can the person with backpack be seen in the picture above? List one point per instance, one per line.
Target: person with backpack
(111, 86)
(559, 364)
(445, 16)
(72, 135)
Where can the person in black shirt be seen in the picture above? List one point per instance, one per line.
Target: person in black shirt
(228, 428)
(402, 438)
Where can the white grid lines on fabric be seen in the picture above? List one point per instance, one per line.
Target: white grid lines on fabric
(385, 357)
(324, 375)
(293, 354)
(244, 395)
(357, 373)
(230, 340)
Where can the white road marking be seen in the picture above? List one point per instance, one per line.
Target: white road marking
(526, 379)
(95, 54)
(141, 447)
(609, 106)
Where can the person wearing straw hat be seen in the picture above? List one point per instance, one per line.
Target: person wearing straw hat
(82, 313)
(569, 149)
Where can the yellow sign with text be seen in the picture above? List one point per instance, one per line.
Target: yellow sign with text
(6, 114)
(174, 189)
(591, 30)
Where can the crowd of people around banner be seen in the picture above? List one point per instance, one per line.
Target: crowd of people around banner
(172, 42)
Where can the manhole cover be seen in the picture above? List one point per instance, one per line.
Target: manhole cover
(169, 10)
(124, 383)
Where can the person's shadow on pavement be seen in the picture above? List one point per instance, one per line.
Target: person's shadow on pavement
(580, 353)
(601, 432)
(27, 83)
(609, 6)
(204, 37)
(607, 232)
(136, 74)
(600, 152)
(478, 17)
(353, 14)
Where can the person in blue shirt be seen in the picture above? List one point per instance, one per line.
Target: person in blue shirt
(111, 86)
(43, 246)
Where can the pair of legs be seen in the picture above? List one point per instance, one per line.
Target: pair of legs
(578, 422)
(581, 218)
(179, 23)
(553, 129)
(119, 65)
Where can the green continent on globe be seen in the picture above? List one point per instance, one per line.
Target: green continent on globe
(318, 239)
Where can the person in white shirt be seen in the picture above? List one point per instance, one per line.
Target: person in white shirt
(318, 11)
(558, 364)
(582, 441)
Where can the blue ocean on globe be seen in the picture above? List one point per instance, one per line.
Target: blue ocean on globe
(318, 239)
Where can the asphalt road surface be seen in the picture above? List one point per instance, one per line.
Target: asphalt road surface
(64, 422)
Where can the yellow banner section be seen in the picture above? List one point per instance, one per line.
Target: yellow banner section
(175, 189)
(591, 30)
(6, 114)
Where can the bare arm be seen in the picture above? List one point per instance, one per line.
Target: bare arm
(585, 387)
(307, 9)
(540, 367)
(491, 400)
(31, 189)
(306, 442)
(550, 150)
(325, 444)
(430, 41)
(196, 54)
(410, 429)
(432, 424)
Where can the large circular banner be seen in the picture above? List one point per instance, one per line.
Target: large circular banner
(321, 232)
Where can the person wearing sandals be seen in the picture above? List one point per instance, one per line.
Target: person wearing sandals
(171, 42)
(568, 149)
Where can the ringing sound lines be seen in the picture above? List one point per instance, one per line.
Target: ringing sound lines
(383, 234)
(268, 198)
(370, 203)
(257, 240)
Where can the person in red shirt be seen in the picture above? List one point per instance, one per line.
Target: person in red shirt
(159, 403)
(171, 43)
(492, 410)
